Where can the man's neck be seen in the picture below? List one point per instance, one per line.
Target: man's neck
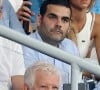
(56, 44)
(49, 40)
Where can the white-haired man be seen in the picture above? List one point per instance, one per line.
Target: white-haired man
(42, 76)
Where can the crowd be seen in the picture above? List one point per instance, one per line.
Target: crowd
(65, 24)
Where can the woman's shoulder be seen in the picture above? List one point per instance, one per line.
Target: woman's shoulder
(96, 28)
(97, 19)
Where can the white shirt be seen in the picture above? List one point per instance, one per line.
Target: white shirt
(83, 38)
(11, 62)
(16, 4)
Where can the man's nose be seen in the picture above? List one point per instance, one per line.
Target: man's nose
(50, 88)
(59, 23)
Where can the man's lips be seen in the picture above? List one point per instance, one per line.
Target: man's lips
(84, 1)
(57, 31)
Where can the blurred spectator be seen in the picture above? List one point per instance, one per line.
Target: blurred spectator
(11, 56)
(42, 76)
(53, 25)
(86, 29)
(9, 17)
(16, 4)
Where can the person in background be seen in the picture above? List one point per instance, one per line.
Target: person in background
(42, 76)
(87, 31)
(11, 65)
(11, 56)
(53, 25)
(21, 9)
(16, 4)
(9, 18)
(25, 13)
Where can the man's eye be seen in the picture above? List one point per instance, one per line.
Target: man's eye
(51, 17)
(55, 88)
(66, 20)
(43, 87)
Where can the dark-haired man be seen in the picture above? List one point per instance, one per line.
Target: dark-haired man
(53, 25)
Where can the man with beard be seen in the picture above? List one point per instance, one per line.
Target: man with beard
(53, 25)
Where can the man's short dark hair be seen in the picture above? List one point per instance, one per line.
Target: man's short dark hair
(44, 5)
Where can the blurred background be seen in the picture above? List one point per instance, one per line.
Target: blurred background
(96, 7)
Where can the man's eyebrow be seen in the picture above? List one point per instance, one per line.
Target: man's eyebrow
(52, 14)
(65, 17)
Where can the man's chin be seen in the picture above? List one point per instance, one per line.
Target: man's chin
(59, 39)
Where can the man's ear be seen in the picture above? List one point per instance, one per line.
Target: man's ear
(39, 19)
(26, 87)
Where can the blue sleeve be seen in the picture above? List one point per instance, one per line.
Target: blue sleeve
(75, 49)
(70, 47)
(30, 56)
(13, 20)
